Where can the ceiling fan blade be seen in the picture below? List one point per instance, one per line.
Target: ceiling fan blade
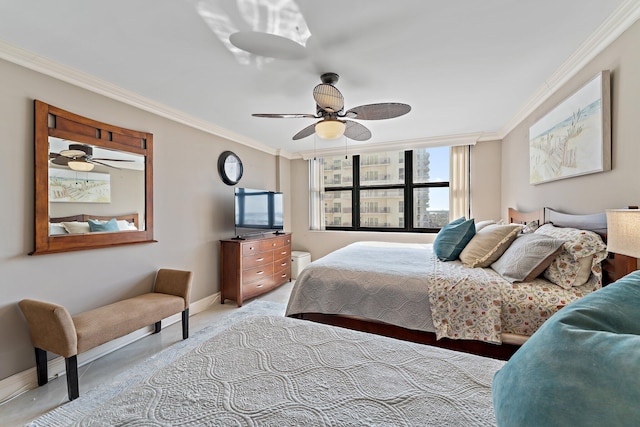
(58, 159)
(103, 164)
(328, 97)
(309, 130)
(287, 116)
(356, 131)
(385, 110)
(268, 45)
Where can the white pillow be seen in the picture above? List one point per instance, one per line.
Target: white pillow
(76, 227)
(124, 225)
(482, 224)
(56, 229)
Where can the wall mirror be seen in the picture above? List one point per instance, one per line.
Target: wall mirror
(93, 183)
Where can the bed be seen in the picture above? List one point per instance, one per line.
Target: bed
(87, 223)
(447, 304)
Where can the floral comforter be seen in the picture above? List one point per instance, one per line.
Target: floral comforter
(407, 286)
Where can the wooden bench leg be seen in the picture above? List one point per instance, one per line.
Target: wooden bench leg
(157, 327)
(72, 377)
(41, 366)
(185, 324)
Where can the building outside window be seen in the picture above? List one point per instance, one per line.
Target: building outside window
(387, 191)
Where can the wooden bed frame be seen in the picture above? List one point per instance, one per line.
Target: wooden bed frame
(85, 217)
(614, 267)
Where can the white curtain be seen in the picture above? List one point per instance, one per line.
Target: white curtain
(316, 191)
(459, 188)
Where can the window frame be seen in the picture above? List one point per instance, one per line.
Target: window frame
(407, 186)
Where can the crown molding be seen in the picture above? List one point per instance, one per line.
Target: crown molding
(408, 144)
(616, 24)
(93, 84)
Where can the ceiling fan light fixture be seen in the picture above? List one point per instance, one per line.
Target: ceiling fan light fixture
(330, 129)
(80, 165)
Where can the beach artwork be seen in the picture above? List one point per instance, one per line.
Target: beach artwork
(79, 187)
(575, 137)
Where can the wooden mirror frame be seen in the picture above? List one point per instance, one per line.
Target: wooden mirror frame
(53, 121)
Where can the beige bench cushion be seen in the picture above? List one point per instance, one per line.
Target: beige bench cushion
(103, 324)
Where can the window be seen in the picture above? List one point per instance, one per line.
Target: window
(387, 191)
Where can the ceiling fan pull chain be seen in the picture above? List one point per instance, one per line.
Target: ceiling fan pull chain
(346, 143)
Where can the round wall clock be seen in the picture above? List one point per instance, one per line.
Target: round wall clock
(230, 167)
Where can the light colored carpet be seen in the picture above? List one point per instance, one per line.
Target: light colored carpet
(256, 369)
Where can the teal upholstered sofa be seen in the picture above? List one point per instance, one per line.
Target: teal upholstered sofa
(581, 368)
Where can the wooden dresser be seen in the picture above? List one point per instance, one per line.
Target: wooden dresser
(253, 266)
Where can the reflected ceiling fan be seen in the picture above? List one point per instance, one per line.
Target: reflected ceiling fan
(79, 157)
(335, 122)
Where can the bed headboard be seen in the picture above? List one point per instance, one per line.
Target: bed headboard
(614, 267)
(85, 217)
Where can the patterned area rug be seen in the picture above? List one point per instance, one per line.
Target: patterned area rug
(254, 369)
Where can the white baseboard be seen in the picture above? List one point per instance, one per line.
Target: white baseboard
(17, 384)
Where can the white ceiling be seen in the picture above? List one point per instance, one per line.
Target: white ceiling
(465, 66)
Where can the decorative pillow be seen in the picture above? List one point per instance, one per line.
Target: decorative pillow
(56, 229)
(527, 257)
(580, 368)
(582, 253)
(489, 244)
(482, 224)
(452, 238)
(97, 225)
(530, 227)
(76, 227)
(124, 225)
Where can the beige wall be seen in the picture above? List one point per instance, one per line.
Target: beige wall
(485, 202)
(193, 210)
(596, 192)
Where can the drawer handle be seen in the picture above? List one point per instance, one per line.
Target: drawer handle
(260, 272)
(284, 275)
(283, 253)
(273, 244)
(283, 264)
(251, 248)
(260, 259)
(260, 285)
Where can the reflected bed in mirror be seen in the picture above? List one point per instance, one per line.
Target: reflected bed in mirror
(94, 183)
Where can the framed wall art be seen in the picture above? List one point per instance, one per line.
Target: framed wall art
(574, 138)
(79, 187)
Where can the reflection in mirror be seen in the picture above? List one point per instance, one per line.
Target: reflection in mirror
(103, 185)
(93, 183)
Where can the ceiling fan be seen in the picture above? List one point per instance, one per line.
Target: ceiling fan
(335, 122)
(79, 157)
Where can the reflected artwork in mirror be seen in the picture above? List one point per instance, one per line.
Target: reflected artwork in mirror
(94, 183)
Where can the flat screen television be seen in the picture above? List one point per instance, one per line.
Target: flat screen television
(258, 212)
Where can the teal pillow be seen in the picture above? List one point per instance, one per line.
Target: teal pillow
(96, 225)
(452, 238)
(581, 368)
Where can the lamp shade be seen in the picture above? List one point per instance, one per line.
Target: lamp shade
(80, 165)
(623, 231)
(330, 129)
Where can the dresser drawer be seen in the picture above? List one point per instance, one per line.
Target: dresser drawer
(254, 260)
(282, 241)
(283, 252)
(258, 287)
(257, 273)
(258, 246)
(281, 276)
(282, 263)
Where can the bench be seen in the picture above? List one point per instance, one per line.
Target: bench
(53, 329)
